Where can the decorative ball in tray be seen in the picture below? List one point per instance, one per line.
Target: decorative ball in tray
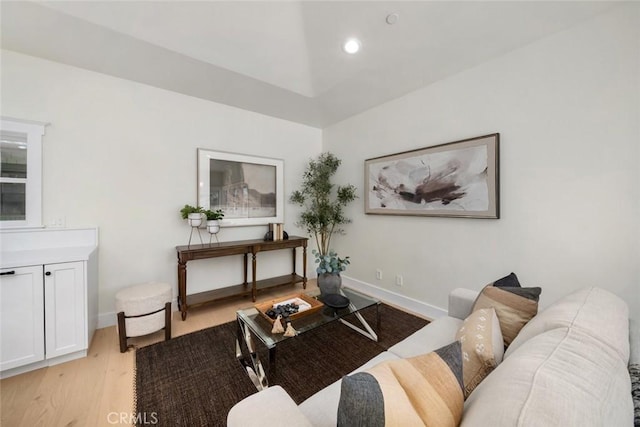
(294, 306)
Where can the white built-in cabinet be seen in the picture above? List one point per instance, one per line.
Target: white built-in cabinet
(48, 310)
(64, 306)
(22, 316)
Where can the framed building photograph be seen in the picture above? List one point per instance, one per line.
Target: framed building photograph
(249, 189)
(456, 179)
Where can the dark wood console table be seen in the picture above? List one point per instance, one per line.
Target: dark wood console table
(241, 247)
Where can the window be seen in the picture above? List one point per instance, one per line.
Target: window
(20, 173)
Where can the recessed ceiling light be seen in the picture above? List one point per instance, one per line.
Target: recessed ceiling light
(392, 18)
(351, 46)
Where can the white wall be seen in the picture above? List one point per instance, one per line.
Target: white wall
(122, 156)
(568, 111)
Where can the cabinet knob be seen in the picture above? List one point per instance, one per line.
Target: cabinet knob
(48, 273)
(4, 273)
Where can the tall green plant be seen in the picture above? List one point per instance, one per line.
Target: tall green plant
(323, 203)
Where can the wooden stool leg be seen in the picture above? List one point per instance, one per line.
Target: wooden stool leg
(122, 332)
(167, 321)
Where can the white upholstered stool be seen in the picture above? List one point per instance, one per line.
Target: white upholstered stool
(143, 309)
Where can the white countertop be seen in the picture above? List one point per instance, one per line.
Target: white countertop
(11, 259)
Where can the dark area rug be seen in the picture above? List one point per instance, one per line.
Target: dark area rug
(195, 379)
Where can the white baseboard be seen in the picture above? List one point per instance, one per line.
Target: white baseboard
(407, 303)
(393, 298)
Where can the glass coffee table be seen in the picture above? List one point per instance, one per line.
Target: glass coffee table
(252, 324)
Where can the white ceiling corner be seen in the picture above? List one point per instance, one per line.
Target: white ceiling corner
(284, 58)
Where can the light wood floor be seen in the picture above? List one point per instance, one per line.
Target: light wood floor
(95, 390)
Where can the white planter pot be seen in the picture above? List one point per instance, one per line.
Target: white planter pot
(213, 226)
(195, 219)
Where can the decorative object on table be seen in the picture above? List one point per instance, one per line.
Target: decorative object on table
(290, 332)
(213, 222)
(457, 179)
(276, 232)
(305, 305)
(195, 216)
(277, 325)
(323, 214)
(329, 268)
(336, 301)
(268, 237)
(249, 189)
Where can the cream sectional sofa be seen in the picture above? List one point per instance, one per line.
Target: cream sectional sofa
(566, 367)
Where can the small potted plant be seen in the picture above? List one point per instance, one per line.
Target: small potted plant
(329, 268)
(213, 220)
(194, 214)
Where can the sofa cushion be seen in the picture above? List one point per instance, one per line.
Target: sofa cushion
(422, 390)
(562, 377)
(482, 346)
(321, 408)
(438, 333)
(593, 311)
(272, 403)
(514, 307)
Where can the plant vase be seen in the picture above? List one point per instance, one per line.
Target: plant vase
(213, 227)
(195, 219)
(329, 283)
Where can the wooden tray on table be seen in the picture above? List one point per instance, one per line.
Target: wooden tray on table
(307, 305)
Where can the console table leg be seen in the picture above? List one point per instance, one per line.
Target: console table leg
(254, 291)
(182, 289)
(304, 265)
(293, 251)
(246, 270)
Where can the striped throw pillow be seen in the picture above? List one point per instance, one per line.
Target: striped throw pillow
(422, 390)
(514, 307)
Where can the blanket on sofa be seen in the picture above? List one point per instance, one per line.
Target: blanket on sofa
(634, 372)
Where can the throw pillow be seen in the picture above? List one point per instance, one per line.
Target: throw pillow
(510, 281)
(514, 307)
(422, 390)
(482, 347)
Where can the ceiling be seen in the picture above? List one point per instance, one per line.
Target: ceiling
(284, 58)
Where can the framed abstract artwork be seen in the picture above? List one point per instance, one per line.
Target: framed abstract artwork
(249, 189)
(456, 179)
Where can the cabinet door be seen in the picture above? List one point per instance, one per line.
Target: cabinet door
(21, 316)
(64, 296)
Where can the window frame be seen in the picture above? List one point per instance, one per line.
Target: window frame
(34, 131)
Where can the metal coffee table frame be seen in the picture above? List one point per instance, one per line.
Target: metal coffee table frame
(251, 324)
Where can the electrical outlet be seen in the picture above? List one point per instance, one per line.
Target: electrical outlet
(378, 274)
(399, 280)
(57, 222)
